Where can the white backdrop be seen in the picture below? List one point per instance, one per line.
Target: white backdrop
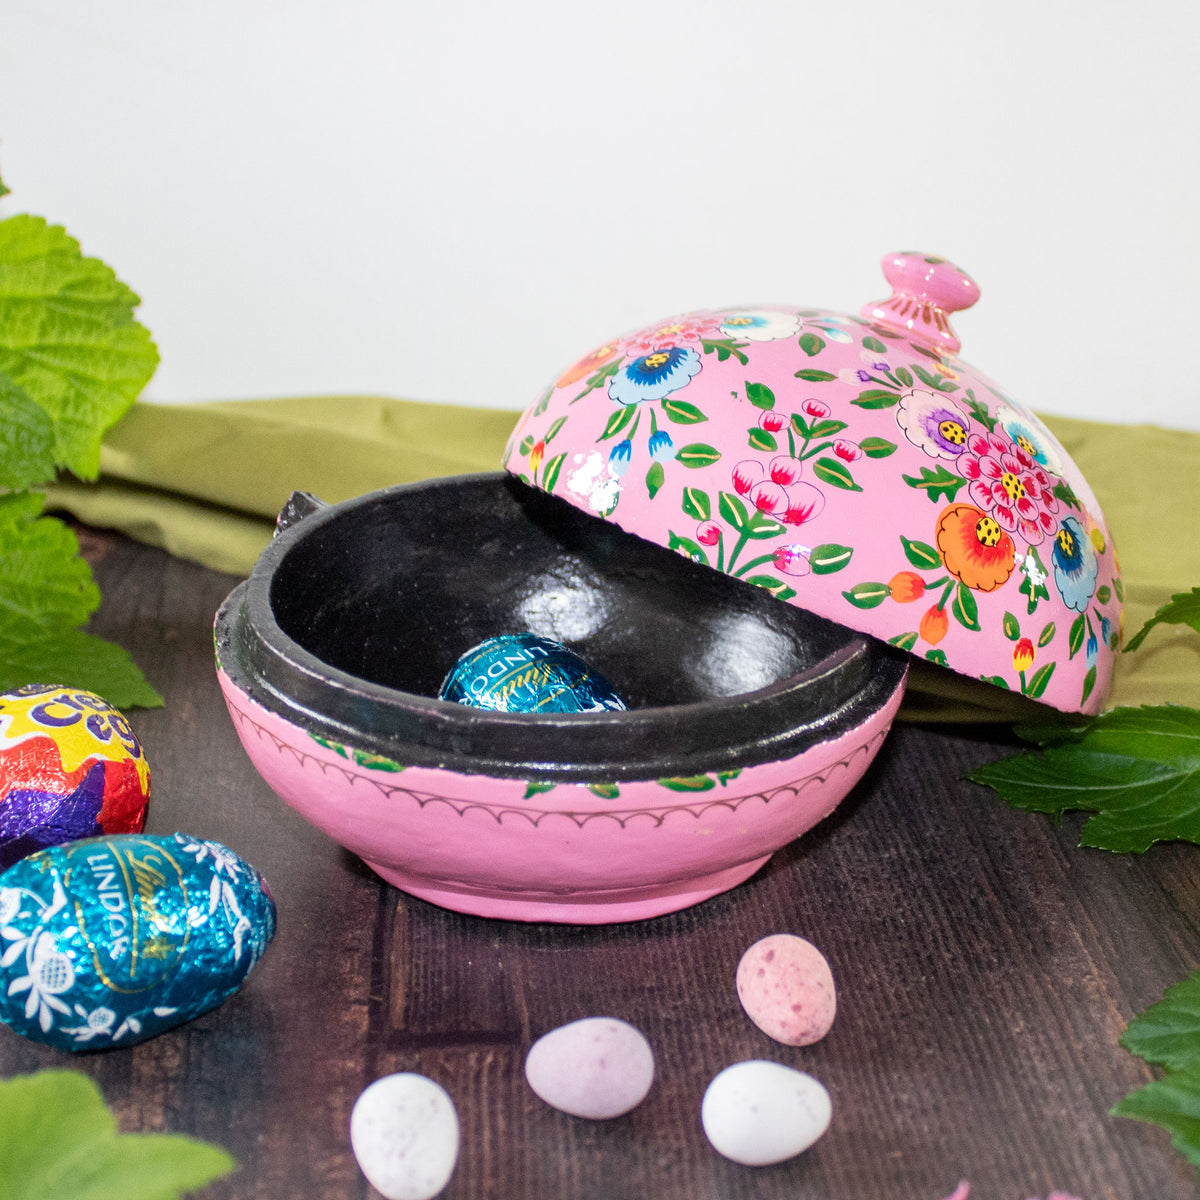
(453, 201)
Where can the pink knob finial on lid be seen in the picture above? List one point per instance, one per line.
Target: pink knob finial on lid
(925, 289)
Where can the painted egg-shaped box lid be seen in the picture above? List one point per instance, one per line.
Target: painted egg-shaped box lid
(853, 466)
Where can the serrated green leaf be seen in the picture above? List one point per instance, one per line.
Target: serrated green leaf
(935, 483)
(58, 1138)
(1182, 609)
(1138, 769)
(68, 337)
(26, 438)
(1173, 1103)
(725, 348)
(46, 592)
(835, 472)
(829, 558)
(696, 503)
(921, 554)
(760, 396)
(938, 382)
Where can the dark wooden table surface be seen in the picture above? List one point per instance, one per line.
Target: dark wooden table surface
(986, 967)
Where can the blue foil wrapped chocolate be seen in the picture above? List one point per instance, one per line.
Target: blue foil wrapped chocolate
(526, 673)
(109, 941)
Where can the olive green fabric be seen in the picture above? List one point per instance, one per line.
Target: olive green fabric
(205, 481)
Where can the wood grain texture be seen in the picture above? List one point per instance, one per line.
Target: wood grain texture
(986, 967)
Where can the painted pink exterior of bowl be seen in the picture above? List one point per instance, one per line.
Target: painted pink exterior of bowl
(479, 844)
(855, 467)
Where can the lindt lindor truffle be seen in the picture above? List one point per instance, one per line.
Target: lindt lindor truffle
(526, 673)
(70, 767)
(110, 941)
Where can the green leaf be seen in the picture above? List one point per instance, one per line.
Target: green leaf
(655, 478)
(936, 483)
(876, 398)
(874, 345)
(698, 454)
(905, 376)
(46, 592)
(26, 438)
(906, 641)
(544, 402)
(965, 608)
(760, 395)
(555, 426)
(1012, 627)
(725, 348)
(688, 547)
(868, 595)
(689, 783)
(827, 428)
(921, 554)
(811, 375)
(1167, 1034)
(1064, 492)
(1075, 636)
(1182, 609)
(550, 471)
(1137, 769)
(763, 440)
(527, 444)
(1089, 682)
(876, 447)
(617, 422)
(68, 338)
(776, 587)
(1047, 634)
(696, 503)
(811, 344)
(829, 557)
(58, 1138)
(682, 413)
(834, 471)
(534, 787)
(1040, 681)
(938, 382)
(606, 791)
(1104, 594)
(733, 511)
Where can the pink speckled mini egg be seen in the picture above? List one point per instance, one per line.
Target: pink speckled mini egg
(786, 987)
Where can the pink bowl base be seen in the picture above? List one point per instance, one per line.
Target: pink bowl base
(571, 853)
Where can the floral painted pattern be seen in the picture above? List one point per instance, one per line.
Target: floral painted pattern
(818, 455)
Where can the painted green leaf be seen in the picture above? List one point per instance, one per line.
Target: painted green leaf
(812, 375)
(534, 787)
(46, 592)
(937, 483)
(827, 428)
(698, 454)
(980, 411)
(733, 511)
(606, 791)
(689, 783)
(997, 681)
(938, 382)
(776, 587)
(618, 421)
(555, 426)
(68, 337)
(1089, 682)
(527, 444)
(687, 546)
(655, 478)
(543, 403)
(1182, 609)
(835, 472)
(1012, 627)
(877, 447)
(763, 440)
(921, 554)
(59, 1138)
(937, 657)
(965, 608)
(696, 503)
(551, 470)
(760, 395)
(725, 348)
(905, 376)
(1119, 588)
(811, 344)
(829, 558)
(1076, 635)
(868, 595)
(1137, 769)
(1104, 594)
(1040, 681)
(906, 641)
(682, 413)
(762, 526)
(1047, 634)
(876, 398)
(1065, 493)
(874, 345)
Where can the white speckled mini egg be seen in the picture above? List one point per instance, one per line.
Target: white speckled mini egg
(759, 1112)
(404, 1132)
(597, 1067)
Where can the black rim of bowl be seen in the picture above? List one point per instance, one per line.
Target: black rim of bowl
(833, 696)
